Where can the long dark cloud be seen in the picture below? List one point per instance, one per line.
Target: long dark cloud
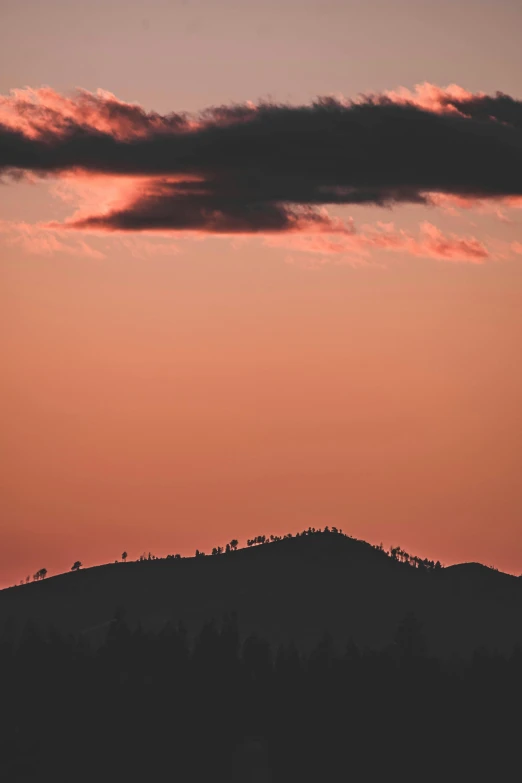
(269, 167)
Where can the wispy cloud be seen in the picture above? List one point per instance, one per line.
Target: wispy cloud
(356, 246)
(38, 239)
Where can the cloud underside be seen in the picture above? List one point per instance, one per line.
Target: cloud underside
(269, 168)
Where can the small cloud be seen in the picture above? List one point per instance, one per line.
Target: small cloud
(37, 239)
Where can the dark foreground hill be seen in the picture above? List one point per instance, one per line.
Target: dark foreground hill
(294, 589)
(122, 700)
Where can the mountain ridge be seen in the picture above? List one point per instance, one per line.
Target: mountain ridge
(291, 589)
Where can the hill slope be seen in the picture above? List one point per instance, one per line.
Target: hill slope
(293, 589)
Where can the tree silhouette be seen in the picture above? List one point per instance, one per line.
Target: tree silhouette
(409, 638)
(395, 553)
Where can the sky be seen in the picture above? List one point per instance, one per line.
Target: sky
(261, 269)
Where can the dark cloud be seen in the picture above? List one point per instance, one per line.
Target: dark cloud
(500, 107)
(266, 168)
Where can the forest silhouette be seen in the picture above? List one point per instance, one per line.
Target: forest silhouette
(211, 707)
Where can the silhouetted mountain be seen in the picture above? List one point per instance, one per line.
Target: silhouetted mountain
(133, 696)
(292, 589)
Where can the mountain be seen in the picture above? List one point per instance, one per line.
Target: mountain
(292, 589)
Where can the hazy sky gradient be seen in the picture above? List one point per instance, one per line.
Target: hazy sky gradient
(174, 393)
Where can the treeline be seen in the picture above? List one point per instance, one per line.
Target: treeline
(168, 706)
(395, 553)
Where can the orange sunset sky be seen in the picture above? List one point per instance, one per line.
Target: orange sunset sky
(201, 340)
